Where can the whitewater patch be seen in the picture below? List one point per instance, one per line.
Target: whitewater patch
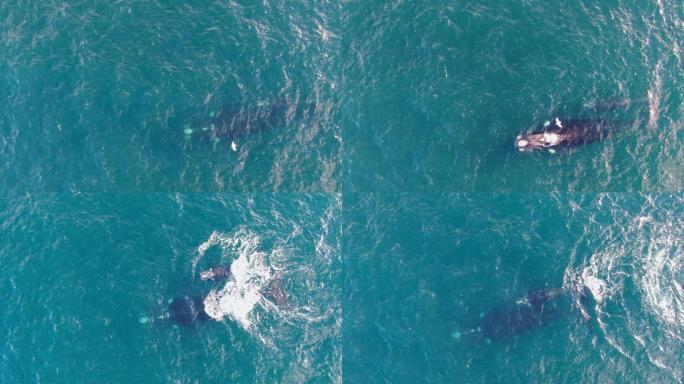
(638, 290)
(250, 275)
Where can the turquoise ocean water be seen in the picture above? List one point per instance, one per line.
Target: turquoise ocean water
(97, 96)
(360, 155)
(435, 94)
(80, 271)
(425, 275)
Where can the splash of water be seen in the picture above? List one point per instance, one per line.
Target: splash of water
(638, 290)
(250, 274)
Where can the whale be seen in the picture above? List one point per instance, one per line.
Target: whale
(275, 292)
(231, 122)
(536, 309)
(557, 134)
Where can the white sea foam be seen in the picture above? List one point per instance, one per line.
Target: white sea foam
(250, 274)
(663, 294)
(596, 286)
(600, 276)
(637, 286)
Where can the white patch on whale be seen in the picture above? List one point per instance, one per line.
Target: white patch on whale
(551, 138)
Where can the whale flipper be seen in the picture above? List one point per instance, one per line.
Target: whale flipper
(561, 133)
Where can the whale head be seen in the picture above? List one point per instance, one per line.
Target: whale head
(536, 141)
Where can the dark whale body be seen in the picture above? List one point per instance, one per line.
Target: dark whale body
(563, 134)
(275, 292)
(536, 309)
(232, 122)
(187, 310)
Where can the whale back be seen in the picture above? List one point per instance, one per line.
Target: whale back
(275, 292)
(233, 121)
(564, 133)
(187, 310)
(536, 309)
(583, 131)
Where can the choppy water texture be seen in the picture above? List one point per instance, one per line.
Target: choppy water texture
(428, 277)
(97, 96)
(80, 271)
(435, 93)
(121, 108)
(426, 96)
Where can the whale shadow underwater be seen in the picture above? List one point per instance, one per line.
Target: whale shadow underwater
(560, 133)
(231, 122)
(534, 310)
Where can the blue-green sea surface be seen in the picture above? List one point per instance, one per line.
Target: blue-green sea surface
(86, 281)
(120, 96)
(441, 288)
(435, 93)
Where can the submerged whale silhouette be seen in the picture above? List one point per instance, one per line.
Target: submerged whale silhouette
(232, 122)
(564, 133)
(535, 309)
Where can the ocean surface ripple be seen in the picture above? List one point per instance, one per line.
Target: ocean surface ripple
(97, 97)
(435, 95)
